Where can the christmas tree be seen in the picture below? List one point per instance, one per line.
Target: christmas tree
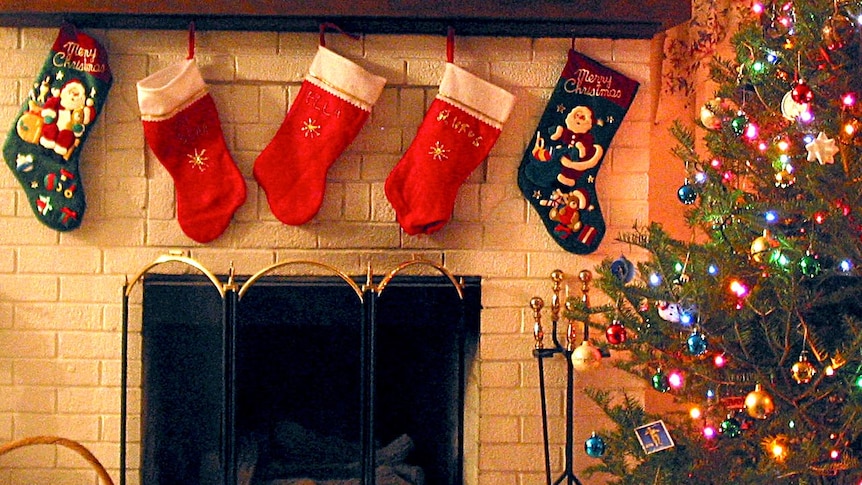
(754, 324)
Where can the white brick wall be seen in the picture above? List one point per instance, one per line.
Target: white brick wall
(60, 294)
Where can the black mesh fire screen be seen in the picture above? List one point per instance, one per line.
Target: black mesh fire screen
(287, 365)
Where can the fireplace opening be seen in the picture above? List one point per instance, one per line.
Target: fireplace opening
(292, 383)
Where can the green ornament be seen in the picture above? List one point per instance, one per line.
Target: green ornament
(738, 124)
(660, 382)
(809, 265)
(730, 427)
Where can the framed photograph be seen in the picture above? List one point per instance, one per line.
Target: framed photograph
(654, 437)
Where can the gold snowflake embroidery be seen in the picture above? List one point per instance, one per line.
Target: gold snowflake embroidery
(310, 129)
(438, 152)
(198, 160)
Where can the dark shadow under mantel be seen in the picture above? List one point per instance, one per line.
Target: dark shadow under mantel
(615, 19)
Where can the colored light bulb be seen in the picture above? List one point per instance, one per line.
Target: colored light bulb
(738, 288)
(709, 432)
(676, 380)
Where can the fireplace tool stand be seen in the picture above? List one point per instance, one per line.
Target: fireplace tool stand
(231, 294)
(540, 352)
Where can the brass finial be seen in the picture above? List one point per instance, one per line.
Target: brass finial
(557, 278)
(537, 304)
(231, 281)
(585, 276)
(557, 275)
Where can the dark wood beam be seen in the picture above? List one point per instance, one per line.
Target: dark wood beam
(625, 19)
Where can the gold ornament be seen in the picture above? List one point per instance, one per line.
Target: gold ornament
(714, 111)
(759, 404)
(784, 179)
(761, 246)
(790, 109)
(586, 357)
(709, 118)
(776, 447)
(803, 371)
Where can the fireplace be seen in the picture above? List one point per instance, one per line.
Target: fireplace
(306, 380)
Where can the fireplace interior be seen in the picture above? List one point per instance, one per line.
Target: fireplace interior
(301, 381)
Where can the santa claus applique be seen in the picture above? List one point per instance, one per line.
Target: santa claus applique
(66, 115)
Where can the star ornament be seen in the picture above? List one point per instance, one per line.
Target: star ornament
(822, 149)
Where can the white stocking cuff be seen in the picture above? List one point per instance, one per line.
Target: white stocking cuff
(489, 103)
(169, 90)
(345, 79)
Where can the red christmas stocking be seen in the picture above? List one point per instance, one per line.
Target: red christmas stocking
(182, 127)
(462, 124)
(333, 103)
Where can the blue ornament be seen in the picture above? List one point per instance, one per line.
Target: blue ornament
(594, 446)
(687, 194)
(623, 269)
(697, 343)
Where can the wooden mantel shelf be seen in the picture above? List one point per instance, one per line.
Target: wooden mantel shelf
(616, 19)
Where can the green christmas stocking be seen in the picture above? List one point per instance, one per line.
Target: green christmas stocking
(44, 144)
(558, 172)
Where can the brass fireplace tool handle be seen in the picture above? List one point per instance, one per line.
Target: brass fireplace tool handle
(541, 353)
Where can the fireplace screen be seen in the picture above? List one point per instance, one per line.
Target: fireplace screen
(303, 381)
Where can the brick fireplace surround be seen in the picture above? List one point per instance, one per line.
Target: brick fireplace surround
(60, 294)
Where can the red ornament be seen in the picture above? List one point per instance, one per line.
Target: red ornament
(801, 93)
(616, 333)
(843, 207)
